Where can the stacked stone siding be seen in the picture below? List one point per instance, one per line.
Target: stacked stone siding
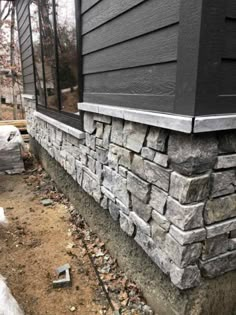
(173, 193)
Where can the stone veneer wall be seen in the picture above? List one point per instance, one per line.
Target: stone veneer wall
(173, 193)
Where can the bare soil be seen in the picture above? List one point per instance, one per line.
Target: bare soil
(39, 239)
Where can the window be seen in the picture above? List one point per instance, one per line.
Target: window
(55, 49)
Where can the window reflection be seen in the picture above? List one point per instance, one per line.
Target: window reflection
(67, 54)
(48, 41)
(37, 49)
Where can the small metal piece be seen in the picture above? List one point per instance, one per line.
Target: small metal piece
(66, 281)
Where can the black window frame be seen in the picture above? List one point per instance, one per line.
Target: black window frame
(71, 119)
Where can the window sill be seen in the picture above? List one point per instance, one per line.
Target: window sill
(63, 127)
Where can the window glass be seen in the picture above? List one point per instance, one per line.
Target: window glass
(48, 42)
(67, 54)
(37, 49)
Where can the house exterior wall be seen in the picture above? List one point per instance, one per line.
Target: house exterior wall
(165, 190)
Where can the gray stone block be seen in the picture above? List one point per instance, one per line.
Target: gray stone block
(188, 154)
(117, 185)
(114, 211)
(91, 164)
(185, 278)
(233, 234)
(93, 154)
(227, 142)
(232, 244)
(161, 159)
(158, 234)
(215, 246)
(138, 187)
(219, 265)
(225, 161)
(104, 203)
(182, 256)
(158, 199)
(137, 166)
(134, 135)
(106, 136)
(126, 224)
(122, 207)
(99, 142)
(102, 155)
(223, 183)
(102, 118)
(145, 241)
(157, 175)
(92, 187)
(189, 189)
(186, 217)
(221, 228)
(123, 171)
(119, 156)
(161, 259)
(117, 131)
(99, 130)
(157, 139)
(148, 153)
(187, 237)
(90, 141)
(143, 210)
(108, 194)
(99, 169)
(89, 124)
(220, 209)
(143, 226)
(161, 220)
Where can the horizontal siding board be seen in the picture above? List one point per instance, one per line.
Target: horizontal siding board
(139, 101)
(29, 78)
(147, 17)
(23, 11)
(231, 8)
(228, 78)
(157, 79)
(29, 88)
(104, 11)
(26, 37)
(28, 62)
(157, 47)
(26, 53)
(87, 4)
(230, 40)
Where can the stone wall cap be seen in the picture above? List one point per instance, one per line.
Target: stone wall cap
(182, 123)
(70, 130)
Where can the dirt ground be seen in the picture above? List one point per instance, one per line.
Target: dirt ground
(40, 238)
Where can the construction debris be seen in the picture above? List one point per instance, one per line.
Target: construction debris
(11, 150)
(66, 281)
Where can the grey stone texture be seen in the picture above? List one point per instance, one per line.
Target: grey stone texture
(143, 210)
(225, 161)
(134, 136)
(192, 154)
(215, 246)
(220, 209)
(157, 139)
(223, 183)
(185, 278)
(174, 195)
(138, 187)
(187, 237)
(189, 189)
(186, 217)
(182, 256)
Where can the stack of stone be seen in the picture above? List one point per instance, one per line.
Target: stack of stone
(173, 193)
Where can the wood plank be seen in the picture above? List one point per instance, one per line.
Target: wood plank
(228, 78)
(145, 102)
(231, 9)
(147, 17)
(157, 79)
(20, 124)
(157, 47)
(104, 11)
(87, 4)
(229, 51)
